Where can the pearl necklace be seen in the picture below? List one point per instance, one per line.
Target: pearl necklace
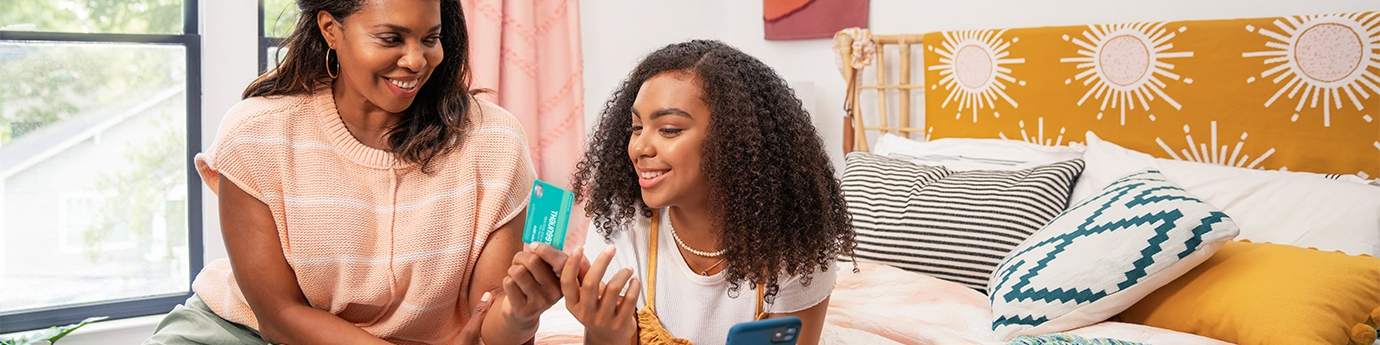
(687, 247)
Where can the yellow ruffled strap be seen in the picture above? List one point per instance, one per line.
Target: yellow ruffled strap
(650, 331)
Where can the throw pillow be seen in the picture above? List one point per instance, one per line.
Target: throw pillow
(1284, 207)
(1262, 293)
(955, 226)
(1103, 255)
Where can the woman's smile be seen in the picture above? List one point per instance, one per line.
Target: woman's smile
(404, 87)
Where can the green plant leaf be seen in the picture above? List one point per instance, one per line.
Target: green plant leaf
(64, 330)
(50, 335)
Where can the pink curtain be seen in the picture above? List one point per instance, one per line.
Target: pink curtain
(529, 52)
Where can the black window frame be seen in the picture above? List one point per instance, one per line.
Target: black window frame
(265, 41)
(190, 39)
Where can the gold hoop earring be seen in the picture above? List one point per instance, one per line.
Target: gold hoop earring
(328, 64)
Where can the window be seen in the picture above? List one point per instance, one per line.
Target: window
(98, 123)
(278, 18)
(75, 218)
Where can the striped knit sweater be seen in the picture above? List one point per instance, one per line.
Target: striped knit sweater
(371, 238)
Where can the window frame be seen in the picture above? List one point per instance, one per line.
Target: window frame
(265, 41)
(190, 40)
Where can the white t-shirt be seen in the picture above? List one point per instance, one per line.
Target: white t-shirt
(694, 307)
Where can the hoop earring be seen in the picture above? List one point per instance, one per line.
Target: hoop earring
(328, 64)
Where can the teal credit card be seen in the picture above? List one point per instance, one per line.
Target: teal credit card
(548, 215)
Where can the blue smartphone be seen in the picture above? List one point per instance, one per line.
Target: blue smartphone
(773, 331)
(548, 215)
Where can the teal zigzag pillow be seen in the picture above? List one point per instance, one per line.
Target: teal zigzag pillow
(1101, 256)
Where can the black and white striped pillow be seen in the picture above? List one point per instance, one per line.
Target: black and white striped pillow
(955, 226)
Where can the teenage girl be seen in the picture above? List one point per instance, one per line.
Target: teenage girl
(718, 203)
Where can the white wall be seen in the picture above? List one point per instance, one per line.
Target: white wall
(229, 61)
(618, 32)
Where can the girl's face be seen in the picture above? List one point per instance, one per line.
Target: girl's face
(386, 50)
(669, 123)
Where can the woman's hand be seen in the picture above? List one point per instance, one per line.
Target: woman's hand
(531, 285)
(608, 317)
(469, 335)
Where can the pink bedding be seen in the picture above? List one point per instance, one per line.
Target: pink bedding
(885, 305)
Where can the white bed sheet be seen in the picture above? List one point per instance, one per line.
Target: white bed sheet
(885, 305)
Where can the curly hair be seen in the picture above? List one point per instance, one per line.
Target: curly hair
(772, 190)
(436, 117)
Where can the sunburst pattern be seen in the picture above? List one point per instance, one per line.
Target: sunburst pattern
(1212, 153)
(1039, 137)
(1301, 86)
(973, 66)
(1327, 58)
(1123, 64)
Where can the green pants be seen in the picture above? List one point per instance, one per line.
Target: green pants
(195, 323)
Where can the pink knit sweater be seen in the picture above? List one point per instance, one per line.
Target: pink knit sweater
(371, 238)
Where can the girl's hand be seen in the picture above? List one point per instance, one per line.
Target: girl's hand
(531, 285)
(608, 317)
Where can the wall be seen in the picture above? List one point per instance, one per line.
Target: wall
(230, 41)
(618, 32)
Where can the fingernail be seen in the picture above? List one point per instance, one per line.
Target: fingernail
(608, 250)
(485, 297)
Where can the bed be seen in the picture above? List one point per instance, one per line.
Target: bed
(1190, 182)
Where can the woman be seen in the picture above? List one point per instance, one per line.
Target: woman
(365, 196)
(708, 178)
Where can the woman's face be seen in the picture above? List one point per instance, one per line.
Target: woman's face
(670, 121)
(387, 50)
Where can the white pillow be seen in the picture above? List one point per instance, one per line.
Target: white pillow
(1112, 162)
(1302, 209)
(964, 154)
(1103, 255)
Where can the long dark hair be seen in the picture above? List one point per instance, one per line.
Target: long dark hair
(772, 189)
(437, 115)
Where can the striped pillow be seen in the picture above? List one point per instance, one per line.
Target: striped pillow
(956, 226)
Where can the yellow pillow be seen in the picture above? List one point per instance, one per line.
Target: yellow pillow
(1262, 293)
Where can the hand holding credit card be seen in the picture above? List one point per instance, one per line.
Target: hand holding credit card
(548, 215)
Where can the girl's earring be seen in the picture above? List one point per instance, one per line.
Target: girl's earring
(328, 63)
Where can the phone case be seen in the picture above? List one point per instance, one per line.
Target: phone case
(773, 331)
(548, 215)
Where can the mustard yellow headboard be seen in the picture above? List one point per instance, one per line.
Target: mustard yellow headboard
(1296, 93)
